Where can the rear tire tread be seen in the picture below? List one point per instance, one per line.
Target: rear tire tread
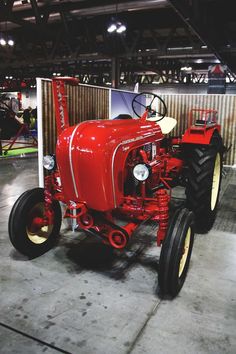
(201, 160)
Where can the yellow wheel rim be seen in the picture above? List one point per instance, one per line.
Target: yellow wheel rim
(185, 252)
(42, 233)
(215, 182)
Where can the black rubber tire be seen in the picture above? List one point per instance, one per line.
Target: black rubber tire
(169, 280)
(201, 162)
(18, 224)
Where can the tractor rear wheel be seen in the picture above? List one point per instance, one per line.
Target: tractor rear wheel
(27, 234)
(176, 253)
(204, 181)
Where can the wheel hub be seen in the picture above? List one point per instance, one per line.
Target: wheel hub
(36, 229)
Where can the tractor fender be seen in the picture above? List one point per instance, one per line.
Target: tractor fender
(199, 135)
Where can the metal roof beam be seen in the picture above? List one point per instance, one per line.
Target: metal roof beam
(192, 17)
(91, 8)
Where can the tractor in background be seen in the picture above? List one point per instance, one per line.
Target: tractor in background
(11, 129)
(125, 169)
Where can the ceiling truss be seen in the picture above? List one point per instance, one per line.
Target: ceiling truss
(70, 38)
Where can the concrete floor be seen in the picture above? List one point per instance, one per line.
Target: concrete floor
(83, 298)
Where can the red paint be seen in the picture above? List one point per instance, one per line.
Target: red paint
(19, 98)
(60, 101)
(200, 131)
(36, 224)
(98, 153)
(117, 239)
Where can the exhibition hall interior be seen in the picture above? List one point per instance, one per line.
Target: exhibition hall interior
(117, 177)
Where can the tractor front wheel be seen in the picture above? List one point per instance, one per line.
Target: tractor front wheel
(176, 252)
(28, 231)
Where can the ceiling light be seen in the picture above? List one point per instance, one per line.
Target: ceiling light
(199, 61)
(112, 28)
(121, 28)
(116, 26)
(186, 68)
(3, 42)
(180, 48)
(10, 42)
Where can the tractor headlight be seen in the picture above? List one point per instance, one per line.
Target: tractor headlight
(48, 162)
(141, 172)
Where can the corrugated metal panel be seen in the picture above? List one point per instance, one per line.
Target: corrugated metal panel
(84, 103)
(179, 106)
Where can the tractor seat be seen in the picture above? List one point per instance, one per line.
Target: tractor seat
(167, 124)
(204, 122)
(200, 122)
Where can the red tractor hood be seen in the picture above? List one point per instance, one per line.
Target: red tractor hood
(91, 158)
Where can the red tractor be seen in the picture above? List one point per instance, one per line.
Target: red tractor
(114, 175)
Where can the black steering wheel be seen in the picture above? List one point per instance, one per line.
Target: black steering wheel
(163, 109)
